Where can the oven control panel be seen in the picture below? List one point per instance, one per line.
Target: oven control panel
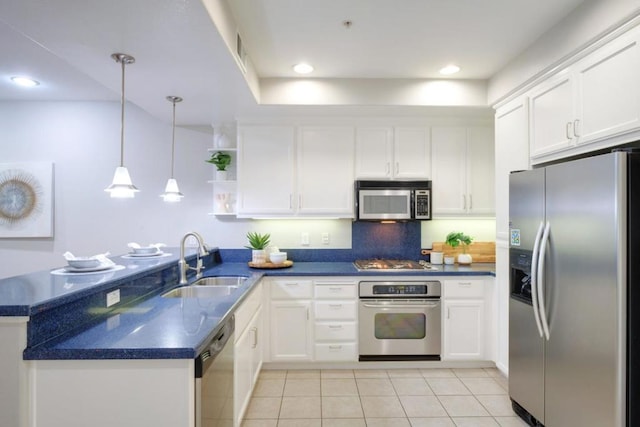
(422, 289)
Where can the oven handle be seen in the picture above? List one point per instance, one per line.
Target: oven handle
(386, 305)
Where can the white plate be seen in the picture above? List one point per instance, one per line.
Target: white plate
(135, 255)
(88, 269)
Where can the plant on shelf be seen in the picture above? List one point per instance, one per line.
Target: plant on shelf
(220, 159)
(258, 243)
(457, 238)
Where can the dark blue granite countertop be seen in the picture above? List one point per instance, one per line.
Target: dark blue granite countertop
(152, 327)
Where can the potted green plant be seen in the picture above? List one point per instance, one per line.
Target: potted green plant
(258, 243)
(221, 160)
(457, 238)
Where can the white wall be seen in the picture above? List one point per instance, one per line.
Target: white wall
(586, 22)
(82, 139)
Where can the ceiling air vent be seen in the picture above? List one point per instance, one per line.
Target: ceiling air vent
(241, 53)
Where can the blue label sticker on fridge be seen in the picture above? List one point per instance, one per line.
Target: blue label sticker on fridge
(515, 237)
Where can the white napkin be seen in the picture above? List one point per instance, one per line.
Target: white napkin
(101, 257)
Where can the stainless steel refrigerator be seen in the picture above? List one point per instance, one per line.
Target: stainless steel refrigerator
(572, 310)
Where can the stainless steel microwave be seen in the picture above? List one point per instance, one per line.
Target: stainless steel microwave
(393, 200)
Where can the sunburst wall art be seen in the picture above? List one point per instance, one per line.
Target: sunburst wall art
(26, 200)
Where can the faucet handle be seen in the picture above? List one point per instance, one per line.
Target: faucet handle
(205, 249)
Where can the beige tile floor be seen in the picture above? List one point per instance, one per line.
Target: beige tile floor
(381, 398)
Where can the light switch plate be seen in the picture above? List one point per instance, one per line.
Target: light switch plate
(304, 239)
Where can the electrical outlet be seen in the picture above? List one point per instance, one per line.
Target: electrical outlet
(304, 239)
(325, 238)
(113, 297)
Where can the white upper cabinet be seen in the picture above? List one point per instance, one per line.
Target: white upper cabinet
(551, 110)
(325, 171)
(463, 170)
(266, 170)
(393, 153)
(412, 153)
(609, 94)
(287, 171)
(594, 99)
(374, 152)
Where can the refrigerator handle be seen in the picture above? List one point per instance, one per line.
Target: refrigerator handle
(543, 310)
(534, 279)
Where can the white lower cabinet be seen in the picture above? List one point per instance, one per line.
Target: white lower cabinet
(336, 314)
(313, 319)
(467, 327)
(464, 330)
(248, 351)
(290, 323)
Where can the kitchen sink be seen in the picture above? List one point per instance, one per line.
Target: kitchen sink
(208, 287)
(220, 281)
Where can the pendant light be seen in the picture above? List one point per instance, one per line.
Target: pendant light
(121, 186)
(171, 191)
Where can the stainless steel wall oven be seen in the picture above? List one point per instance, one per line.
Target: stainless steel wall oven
(399, 320)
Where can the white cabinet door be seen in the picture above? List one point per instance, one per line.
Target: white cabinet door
(266, 170)
(463, 170)
(290, 330)
(480, 171)
(242, 375)
(511, 154)
(463, 330)
(448, 150)
(374, 152)
(551, 115)
(412, 153)
(325, 171)
(608, 101)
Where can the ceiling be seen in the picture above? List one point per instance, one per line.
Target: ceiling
(392, 39)
(67, 44)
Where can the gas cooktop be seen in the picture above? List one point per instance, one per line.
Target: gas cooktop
(391, 265)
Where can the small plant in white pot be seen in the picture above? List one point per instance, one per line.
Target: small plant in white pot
(258, 243)
(457, 238)
(221, 160)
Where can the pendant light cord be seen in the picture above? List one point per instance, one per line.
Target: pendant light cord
(122, 62)
(173, 137)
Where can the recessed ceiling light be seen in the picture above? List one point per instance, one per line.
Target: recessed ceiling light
(449, 69)
(302, 68)
(24, 81)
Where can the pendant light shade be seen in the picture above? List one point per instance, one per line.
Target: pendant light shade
(122, 187)
(171, 191)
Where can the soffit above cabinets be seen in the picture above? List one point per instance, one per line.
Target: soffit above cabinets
(179, 50)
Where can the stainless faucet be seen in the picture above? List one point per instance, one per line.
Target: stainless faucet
(183, 265)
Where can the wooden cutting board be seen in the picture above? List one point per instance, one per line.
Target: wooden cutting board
(287, 263)
(479, 251)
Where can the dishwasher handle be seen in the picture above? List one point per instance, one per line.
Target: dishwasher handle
(214, 347)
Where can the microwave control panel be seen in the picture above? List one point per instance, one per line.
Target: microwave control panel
(422, 204)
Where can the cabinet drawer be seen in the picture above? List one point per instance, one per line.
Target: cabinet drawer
(336, 290)
(339, 310)
(336, 352)
(336, 331)
(248, 309)
(464, 289)
(291, 289)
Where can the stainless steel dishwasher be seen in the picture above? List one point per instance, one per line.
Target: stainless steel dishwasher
(214, 380)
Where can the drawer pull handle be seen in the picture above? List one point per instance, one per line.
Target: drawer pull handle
(465, 283)
(335, 326)
(335, 305)
(335, 288)
(335, 347)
